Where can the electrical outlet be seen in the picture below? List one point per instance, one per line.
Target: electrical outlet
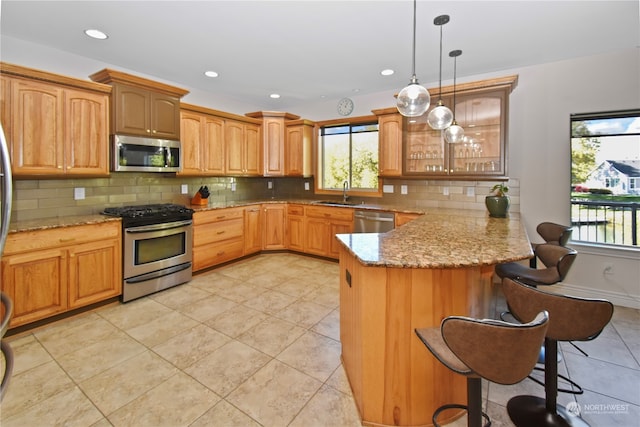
(403, 189)
(471, 191)
(184, 188)
(78, 193)
(306, 186)
(233, 186)
(270, 185)
(445, 191)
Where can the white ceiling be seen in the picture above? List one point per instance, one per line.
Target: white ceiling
(305, 50)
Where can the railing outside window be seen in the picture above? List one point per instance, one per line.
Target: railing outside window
(605, 222)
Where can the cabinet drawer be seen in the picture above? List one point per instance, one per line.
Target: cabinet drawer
(340, 214)
(217, 215)
(27, 241)
(217, 231)
(295, 210)
(216, 253)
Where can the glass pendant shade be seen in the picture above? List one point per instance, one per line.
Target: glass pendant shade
(454, 133)
(440, 117)
(413, 100)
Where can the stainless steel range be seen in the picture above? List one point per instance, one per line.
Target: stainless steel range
(157, 247)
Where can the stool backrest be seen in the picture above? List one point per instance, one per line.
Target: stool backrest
(501, 352)
(570, 318)
(559, 257)
(553, 233)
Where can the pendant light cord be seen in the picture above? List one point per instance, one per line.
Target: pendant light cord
(413, 70)
(440, 76)
(455, 63)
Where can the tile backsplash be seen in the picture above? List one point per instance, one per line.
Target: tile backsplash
(34, 199)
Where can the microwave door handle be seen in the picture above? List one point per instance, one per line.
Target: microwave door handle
(167, 156)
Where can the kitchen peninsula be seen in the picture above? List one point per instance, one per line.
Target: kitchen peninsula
(438, 265)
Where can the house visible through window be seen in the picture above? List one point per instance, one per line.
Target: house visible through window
(348, 153)
(605, 173)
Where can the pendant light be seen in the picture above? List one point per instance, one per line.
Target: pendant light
(454, 133)
(413, 100)
(440, 117)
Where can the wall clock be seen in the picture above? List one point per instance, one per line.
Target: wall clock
(345, 106)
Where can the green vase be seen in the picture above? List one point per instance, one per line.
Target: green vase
(498, 206)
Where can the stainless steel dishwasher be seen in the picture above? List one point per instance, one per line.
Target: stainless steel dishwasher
(373, 222)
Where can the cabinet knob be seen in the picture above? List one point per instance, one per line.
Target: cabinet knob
(148, 130)
(153, 131)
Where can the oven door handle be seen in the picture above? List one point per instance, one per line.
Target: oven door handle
(156, 274)
(158, 227)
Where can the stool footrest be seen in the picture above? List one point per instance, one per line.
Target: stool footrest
(560, 390)
(456, 406)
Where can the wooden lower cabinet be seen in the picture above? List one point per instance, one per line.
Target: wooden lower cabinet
(47, 272)
(321, 225)
(218, 236)
(295, 228)
(252, 229)
(273, 226)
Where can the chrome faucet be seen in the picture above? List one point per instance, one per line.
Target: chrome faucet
(345, 187)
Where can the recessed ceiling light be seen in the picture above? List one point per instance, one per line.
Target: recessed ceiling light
(211, 74)
(96, 34)
(274, 96)
(356, 90)
(387, 72)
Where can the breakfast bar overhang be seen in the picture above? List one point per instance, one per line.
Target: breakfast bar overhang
(438, 265)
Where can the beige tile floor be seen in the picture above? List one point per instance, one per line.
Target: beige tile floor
(255, 343)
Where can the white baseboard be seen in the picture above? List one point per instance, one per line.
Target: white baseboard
(616, 298)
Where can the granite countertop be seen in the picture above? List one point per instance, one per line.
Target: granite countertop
(444, 238)
(57, 222)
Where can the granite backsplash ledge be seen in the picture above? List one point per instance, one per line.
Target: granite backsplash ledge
(35, 199)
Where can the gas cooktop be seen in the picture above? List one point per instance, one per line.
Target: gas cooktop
(150, 214)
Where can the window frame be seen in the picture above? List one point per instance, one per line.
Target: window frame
(352, 121)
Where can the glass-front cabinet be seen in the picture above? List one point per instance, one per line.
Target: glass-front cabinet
(483, 114)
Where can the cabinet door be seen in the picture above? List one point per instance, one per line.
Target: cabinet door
(94, 272)
(234, 138)
(317, 232)
(37, 128)
(165, 116)
(483, 117)
(274, 135)
(273, 226)
(132, 110)
(191, 145)
(253, 151)
(295, 233)
(390, 132)
(337, 228)
(5, 106)
(37, 283)
(214, 146)
(252, 230)
(86, 134)
(298, 160)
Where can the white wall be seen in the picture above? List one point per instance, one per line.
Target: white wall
(539, 149)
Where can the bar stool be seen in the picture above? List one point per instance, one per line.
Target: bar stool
(556, 259)
(461, 345)
(570, 319)
(552, 233)
(4, 346)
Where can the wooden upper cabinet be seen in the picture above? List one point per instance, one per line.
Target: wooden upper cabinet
(142, 107)
(298, 159)
(203, 146)
(86, 129)
(482, 110)
(243, 148)
(56, 126)
(273, 134)
(390, 141)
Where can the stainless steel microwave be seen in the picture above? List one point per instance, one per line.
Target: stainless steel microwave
(139, 154)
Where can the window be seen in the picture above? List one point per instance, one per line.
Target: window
(605, 173)
(348, 152)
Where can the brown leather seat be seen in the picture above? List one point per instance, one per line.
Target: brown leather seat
(556, 259)
(552, 233)
(460, 343)
(570, 319)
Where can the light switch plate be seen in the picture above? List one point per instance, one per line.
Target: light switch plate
(471, 191)
(233, 186)
(184, 188)
(306, 186)
(78, 193)
(387, 188)
(445, 191)
(403, 189)
(270, 185)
